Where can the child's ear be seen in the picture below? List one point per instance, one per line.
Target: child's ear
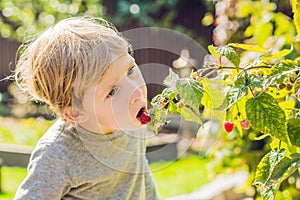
(74, 114)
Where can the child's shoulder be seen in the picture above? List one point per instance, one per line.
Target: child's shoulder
(59, 141)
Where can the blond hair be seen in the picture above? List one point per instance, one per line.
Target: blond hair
(66, 59)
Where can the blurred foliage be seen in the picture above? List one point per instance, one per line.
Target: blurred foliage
(14, 103)
(264, 23)
(23, 131)
(144, 11)
(19, 19)
(170, 14)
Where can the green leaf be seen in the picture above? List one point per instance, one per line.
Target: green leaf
(171, 79)
(262, 171)
(266, 116)
(282, 170)
(248, 47)
(266, 166)
(279, 54)
(255, 81)
(296, 159)
(190, 91)
(173, 107)
(296, 11)
(212, 51)
(232, 96)
(230, 54)
(269, 173)
(239, 90)
(268, 193)
(293, 129)
(190, 115)
(279, 71)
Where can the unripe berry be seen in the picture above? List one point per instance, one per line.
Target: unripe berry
(282, 86)
(289, 86)
(245, 123)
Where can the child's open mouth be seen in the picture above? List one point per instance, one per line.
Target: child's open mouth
(143, 116)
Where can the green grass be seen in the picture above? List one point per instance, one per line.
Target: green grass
(171, 178)
(10, 180)
(179, 177)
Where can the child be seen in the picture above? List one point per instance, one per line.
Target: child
(96, 150)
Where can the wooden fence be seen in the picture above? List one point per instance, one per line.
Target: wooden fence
(8, 49)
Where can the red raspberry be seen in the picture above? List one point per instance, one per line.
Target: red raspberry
(228, 126)
(245, 123)
(145, 118)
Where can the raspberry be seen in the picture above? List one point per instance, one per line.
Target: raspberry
(245, 123)
(145, 118)
(228, 126)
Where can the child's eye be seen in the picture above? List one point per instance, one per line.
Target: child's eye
(112, 92)
(130, 71)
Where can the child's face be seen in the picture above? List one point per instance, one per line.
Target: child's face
(114, 103)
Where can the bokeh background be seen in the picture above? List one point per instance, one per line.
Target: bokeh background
(267, 23)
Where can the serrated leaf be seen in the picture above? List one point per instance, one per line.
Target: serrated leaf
(255, 81)
(235, 93)
(293, 129)
(171, 79)
(248, 47)
(190, 91)
(229, 53)
(263, 171)
(173, 107)
(296, 159)
(232, 96)
(266, 166)
(212, 51)
(189, 115)
(266, 116)
(296, 11)
(282, 170)
(268, 193)
(212, 96)
(279, 71)
(279, 54)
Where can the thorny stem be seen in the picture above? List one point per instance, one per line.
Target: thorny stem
(279, 145)
(298, 75)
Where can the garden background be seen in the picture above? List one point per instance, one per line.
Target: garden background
(268, 24)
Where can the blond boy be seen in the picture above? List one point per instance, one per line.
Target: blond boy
(95, 150)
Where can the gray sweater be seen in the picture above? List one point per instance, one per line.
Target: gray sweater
(72, 163)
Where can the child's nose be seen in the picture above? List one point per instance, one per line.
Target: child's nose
(136, 95)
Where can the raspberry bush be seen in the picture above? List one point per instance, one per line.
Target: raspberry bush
(256, 99)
